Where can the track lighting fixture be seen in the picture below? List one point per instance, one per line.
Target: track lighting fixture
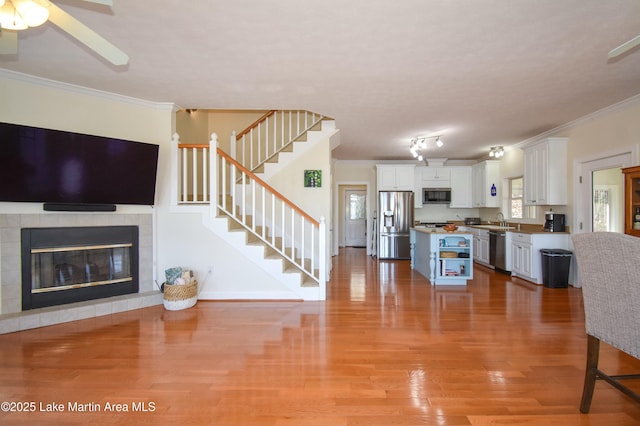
(496, 152)
(418, 144)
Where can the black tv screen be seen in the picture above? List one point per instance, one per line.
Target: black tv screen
(52, 166)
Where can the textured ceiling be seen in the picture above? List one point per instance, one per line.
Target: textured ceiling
(480, 72)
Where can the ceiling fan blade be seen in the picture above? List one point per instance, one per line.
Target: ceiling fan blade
(86, 35)
(8, 42)
(625, 47)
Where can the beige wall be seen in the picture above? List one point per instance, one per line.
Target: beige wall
(197, 126)
(611, 129)
(61, 107)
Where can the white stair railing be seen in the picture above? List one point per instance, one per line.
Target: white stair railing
(207, 173)
(273, 132)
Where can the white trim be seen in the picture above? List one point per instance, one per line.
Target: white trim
(580, 121)
(68, 87)
(248, 295)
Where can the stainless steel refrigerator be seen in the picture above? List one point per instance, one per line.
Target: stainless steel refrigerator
(395, 218)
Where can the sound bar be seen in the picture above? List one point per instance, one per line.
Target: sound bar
(78, 207)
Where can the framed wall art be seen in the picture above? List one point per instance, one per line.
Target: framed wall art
(313, 178)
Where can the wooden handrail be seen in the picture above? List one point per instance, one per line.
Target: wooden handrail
(268, 187)
(258, 121)
(193, 146)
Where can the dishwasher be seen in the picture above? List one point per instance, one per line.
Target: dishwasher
(498, 249)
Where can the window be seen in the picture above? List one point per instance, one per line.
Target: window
(517, 209)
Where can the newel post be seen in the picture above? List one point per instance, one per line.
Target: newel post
(322, 251)
(174, 169)
(213, 176)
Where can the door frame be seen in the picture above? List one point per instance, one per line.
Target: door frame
(338, 215)
(347, 210)
(620, 157)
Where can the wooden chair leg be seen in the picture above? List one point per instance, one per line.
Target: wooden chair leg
(591, 372)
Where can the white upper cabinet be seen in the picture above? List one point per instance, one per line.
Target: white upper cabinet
(545, 172)
(485, 178)
(436, 177)
(461, 189)
(396, 177)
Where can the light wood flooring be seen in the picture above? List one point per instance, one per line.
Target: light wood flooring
(386, 348)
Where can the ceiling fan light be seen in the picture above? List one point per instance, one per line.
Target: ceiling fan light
(32, 13)
(10, 19)
(439, 142)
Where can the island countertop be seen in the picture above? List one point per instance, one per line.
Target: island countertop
(438, 231)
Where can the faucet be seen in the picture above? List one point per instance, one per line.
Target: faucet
(500, 217)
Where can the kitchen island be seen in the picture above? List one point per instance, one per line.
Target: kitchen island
(444, 258)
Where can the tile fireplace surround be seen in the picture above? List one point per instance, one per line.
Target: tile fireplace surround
(11, 316)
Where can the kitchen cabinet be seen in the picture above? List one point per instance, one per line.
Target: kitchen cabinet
(545, 172)
(526, 260)
(396, 177)
(481, 246)
(443, 257)
(485, 178)
(521, 255)
(461, 188)
(631, 200)
(436, 177)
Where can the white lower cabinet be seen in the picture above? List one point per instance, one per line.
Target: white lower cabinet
(526, 260)
(481, 246)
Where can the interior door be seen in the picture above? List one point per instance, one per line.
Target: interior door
(355, 218)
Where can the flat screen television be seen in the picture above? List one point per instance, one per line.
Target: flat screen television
(53, 166)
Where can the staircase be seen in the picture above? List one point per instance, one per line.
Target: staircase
(250, 215)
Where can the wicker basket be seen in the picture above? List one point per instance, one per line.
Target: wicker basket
(177, 297)
(448, 254)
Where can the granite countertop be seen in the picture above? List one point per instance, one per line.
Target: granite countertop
(525, 228)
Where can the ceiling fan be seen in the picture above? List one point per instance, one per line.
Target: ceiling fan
(624, 47)
(16, 15)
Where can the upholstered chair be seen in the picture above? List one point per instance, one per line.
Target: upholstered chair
(609, 272)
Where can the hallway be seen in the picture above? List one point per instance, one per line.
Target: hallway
(385, 348)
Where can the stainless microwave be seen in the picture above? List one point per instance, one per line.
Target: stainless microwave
(436, 195)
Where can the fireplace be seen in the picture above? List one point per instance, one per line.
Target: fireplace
(74, 264)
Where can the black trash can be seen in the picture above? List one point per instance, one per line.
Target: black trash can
(555, 267)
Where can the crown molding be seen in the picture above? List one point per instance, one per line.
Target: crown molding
(632, 101)
(68, 87)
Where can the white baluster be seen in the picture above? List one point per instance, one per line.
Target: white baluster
(322, 251)
(213, 161)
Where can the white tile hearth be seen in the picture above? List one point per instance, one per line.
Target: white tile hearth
(51, 315)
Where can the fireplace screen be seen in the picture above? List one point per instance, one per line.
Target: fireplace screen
(74, 267)
(74, 264)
